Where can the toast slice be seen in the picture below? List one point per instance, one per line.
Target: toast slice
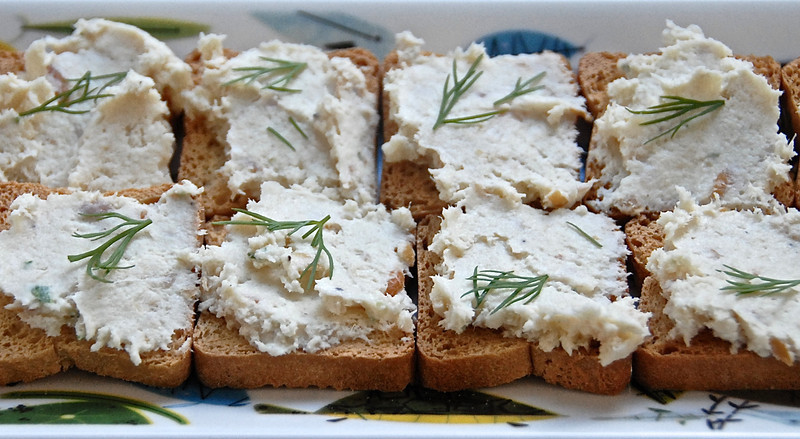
(29, 353)
(707, 363)
(206, 149)
(595, 72)
(353, 326)
(224, 358)
(427, 166)
(124, 115)
(483, 357)
(478, 357)
(703, 357)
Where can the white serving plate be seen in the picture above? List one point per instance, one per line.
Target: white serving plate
(530, 408)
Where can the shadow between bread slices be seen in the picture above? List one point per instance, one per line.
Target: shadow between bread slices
(28, 353)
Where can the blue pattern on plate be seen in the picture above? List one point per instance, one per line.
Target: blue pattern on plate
(515, 42)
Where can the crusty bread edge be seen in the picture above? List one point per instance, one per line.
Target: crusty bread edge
(707, 364)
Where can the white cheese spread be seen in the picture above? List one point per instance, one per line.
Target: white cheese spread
(319, 133)
(120, 140)
(699, 241)
(527, 152)
(254, 279)
(141, 307)
(584, 298)
(735, 151)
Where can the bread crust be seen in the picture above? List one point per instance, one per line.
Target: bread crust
(29, 354)
(480, 357)
(706, 364)
(223, 358)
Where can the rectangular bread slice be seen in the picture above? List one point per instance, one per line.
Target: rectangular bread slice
(706, 364)
(223, 358)
(266, 325)
(481, 357)
(29, 353)
(526, 150)
(707, 361)
(204, 149)
(596, 70)
(129, 125)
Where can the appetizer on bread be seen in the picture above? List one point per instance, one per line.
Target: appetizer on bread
(97, 281)
(91, 110)
(281, 112)
(723, 289)
(691, 116)
(306, 290)
(507, 290)
(506, 124)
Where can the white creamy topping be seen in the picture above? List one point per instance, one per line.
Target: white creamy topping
(527, 152)
(735, 151)
(123, 140)
(699, 241)
(254, 278)
(584, 298)
(329, 121)
(141, 307)
(102, 47)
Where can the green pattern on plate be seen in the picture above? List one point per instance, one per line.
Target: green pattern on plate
(81, 412)
(100, 401)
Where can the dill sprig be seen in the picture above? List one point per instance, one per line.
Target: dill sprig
(297, 127)
(280, 137)
(62, 102)
(293, 226)
(522, 88)
(678, 106)
(281, 73)
(585, 235)
(95, 255)
(744, 284)
(524, 288)
(451, 95)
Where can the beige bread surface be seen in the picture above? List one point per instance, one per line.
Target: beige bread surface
(223, 358)
(706, 364)
(596, 70)
(29, 354)
(203, 152)
(481, 357)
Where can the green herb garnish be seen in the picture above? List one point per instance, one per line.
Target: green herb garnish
(280, 137)
(95, 255)
(766, 285)
(678, 106)
(292, 226)
(451, 95)
(585, 235)
(524, 288)
(297, 127)
(283, 72)
(522, 88)
(62, 102)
